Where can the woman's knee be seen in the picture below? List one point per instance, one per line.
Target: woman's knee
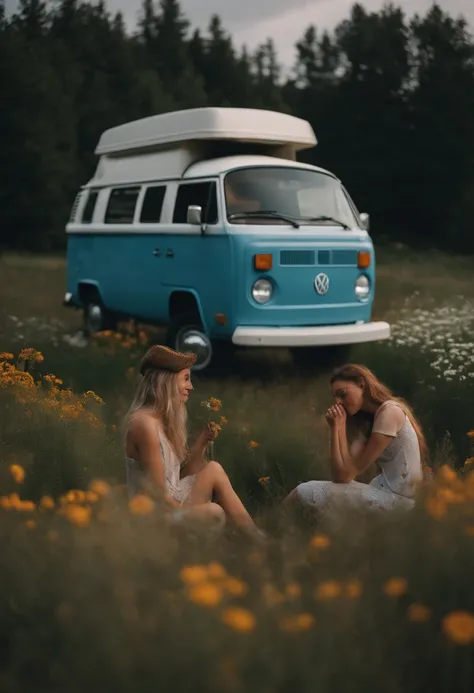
(216, 512)
(213, 513)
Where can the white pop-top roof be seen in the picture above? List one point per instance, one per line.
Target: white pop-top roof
(237, 124)
(215, 167)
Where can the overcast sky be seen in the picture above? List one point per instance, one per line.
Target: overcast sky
(252, 21)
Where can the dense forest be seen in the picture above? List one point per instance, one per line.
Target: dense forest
(390, 98)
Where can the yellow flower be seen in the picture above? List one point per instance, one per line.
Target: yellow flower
(215, 404)
(447, 473)
(214, 428)
(458, 626)
(293, 590)
(193, 574)
(75, 496)
(223, 421)
(240, 620)
(263, 481)
(141, 505)
(6, 356)
(206, 594)
(25, 506)
(395, 587)
(47, 503)
(330, 589)
(17, 472)
(470, 434)
(90, 394)
(297, 624)
(353, 589)
(436, 508)
(92, 497)
(253, 444)
(320, 541)
(418, 613)
(450, 496)
(77, 515)
(469, 462)
(212, 404)
(100, 487)
(31, 355)
(216, 571)
(236, 587)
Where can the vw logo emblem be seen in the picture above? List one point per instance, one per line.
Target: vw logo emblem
(321, 284)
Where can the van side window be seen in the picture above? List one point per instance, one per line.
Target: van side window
(121, 205)
(202, 194)
(89, 207)
(152, 204)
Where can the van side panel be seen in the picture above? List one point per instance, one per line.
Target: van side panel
(125, 270)
(202, 264)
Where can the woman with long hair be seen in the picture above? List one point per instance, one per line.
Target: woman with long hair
(368, 425)
(157, 454)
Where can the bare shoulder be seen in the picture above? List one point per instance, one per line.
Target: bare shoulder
(143, 424)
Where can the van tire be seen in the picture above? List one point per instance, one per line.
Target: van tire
(178, 326)
(313, 359)
(97, 318)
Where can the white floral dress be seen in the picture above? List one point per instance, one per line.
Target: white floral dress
(394, 487)
(177, 488)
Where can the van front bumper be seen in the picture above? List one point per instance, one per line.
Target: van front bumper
(330, 335)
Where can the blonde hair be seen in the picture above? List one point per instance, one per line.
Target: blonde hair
(158, 393)
(376, 393)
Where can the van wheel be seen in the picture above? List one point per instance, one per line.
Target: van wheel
(185, 333)
(320, 358)
(97, 318)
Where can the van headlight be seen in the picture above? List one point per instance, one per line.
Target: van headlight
(262, 291)
(362, 287)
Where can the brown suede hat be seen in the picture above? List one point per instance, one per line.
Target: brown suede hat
(163, 358)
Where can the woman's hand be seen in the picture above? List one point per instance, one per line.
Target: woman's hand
(208, 434)
(329, 418)
(336, 417)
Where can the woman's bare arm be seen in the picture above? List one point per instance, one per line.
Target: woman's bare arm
(356, 463)
(338, 469)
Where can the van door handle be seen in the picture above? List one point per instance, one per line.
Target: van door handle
(157, 252)
(169, 253)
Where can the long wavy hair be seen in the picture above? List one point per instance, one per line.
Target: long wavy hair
(376, 393)
(158, 394)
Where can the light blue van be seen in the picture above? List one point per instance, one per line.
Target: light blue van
(204, 221)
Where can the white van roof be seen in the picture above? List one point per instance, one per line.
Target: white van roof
(243, 125)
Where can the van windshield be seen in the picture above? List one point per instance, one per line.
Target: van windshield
(266, 195)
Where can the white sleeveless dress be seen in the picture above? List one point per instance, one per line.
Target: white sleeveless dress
(177, 488)
(394, 487)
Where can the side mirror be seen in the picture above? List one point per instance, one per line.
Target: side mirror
(194, 215)
(365, 220)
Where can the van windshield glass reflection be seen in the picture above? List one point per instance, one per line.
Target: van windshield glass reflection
(305, 196)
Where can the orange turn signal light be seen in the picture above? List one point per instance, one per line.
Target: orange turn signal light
(363, 259)
(263, 261)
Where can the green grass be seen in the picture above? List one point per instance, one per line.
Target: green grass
(103, 605)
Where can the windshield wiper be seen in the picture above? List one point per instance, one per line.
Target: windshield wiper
(324, 218)
(264, 213)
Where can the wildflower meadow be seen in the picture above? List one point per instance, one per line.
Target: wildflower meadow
(97, 590)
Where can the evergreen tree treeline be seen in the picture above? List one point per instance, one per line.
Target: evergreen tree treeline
(391, 101)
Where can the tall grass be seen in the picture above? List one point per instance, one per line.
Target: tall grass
(95, 591)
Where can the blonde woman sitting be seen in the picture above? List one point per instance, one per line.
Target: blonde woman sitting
(368, 425)
(157, 455)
